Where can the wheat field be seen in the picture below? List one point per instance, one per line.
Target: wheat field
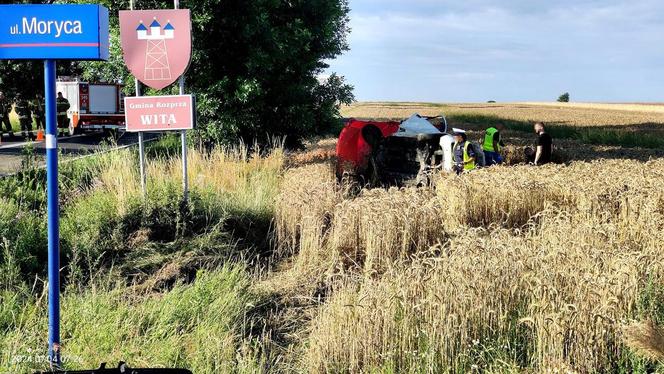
(507, 269)
(540, 276)
(574, 114)
(510, 269)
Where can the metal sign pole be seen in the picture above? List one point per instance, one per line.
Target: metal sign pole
(90, 42)
(141, 156)
(141, 144)
(53, 212)
(183, 138)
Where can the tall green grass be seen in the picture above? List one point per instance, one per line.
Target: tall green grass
(104, 214)
(147, 279)
(199, 326)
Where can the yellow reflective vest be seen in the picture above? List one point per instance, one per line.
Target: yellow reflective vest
(488, 140)
(468, 162)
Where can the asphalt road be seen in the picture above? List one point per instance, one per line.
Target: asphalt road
(13, 150)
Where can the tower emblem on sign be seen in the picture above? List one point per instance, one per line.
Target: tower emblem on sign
(156, 58)
(156, 45)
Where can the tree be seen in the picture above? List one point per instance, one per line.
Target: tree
(564, 98)
(255, 66)
(21, 77)
(27, 77)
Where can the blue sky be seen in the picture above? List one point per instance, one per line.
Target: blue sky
(510, 50)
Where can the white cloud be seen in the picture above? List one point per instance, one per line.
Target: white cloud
(497, 44)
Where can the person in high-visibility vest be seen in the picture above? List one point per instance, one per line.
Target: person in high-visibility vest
(464, 155)
(62, 106)
(493, 145)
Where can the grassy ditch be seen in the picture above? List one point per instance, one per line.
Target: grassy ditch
(145, 271)
(273, 266)
(198, 325)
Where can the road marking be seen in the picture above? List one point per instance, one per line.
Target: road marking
(72, 159)
(24, 144)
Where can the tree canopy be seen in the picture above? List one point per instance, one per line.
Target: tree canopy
(564, 98)
(256, 66)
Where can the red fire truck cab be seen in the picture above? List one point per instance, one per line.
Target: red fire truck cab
(93, 106)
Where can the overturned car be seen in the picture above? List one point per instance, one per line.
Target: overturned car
(394, 153)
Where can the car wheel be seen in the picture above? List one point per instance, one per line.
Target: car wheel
(372, 135)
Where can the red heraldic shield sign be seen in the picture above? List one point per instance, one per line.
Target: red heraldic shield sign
(156, 44)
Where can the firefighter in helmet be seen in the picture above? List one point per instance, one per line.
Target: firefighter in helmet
(62, 107)
(37, 107)
(24, 115)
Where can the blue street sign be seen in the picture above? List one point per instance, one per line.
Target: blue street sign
(56, 32)
(50, 33)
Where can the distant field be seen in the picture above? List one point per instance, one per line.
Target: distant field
(574, 114)
(622, 125)
(631, 107)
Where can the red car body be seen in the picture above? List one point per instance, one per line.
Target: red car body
(353, 150)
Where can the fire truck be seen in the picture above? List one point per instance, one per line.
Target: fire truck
(93, 106)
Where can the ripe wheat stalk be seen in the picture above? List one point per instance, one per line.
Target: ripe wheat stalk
(540, 270)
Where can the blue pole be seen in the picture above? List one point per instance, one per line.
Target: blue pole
(53, 215)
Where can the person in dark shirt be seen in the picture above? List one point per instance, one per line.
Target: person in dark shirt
(544, 149)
